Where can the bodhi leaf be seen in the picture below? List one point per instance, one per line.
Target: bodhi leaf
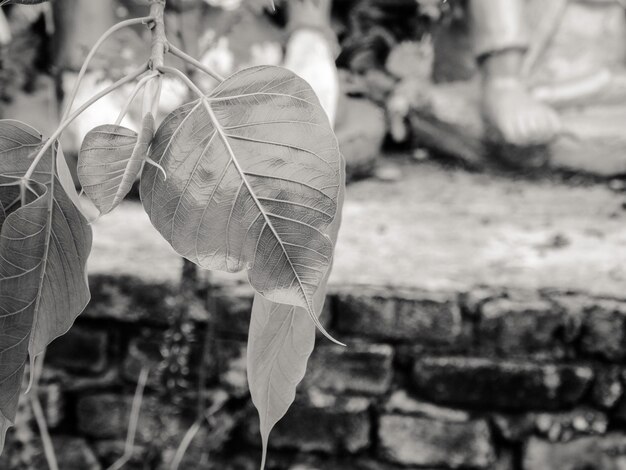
(109, 161)
(21, 2)
(22, 248)
(280, 341)
(253, 176)
(62, 291)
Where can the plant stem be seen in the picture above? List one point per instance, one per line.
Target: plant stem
(128, 78)
(159, 41)
(92, 53)
(187, 58)
(133, 420)
(40, 417)
(185, 443)
(132, 96)
(184, 78)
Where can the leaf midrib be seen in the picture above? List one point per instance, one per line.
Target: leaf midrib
(224, 138)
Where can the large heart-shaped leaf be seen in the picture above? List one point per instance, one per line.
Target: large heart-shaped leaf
(22, 249)
(109, 161)
(253, 176)
(280, 341)
(61, 288)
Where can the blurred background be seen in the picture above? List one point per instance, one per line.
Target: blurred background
(480, 269)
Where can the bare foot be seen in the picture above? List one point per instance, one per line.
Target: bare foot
(516, 116)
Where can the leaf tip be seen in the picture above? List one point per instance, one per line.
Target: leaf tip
(322, 329)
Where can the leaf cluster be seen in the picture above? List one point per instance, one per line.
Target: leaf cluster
(248, 177)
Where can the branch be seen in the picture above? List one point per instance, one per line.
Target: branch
(159, 41)
(92, 53)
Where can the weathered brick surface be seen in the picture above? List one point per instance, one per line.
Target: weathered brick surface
(512, 327)
(608, 387)
(109, 451)
(409, 440)
(80, 350)
(423, 375)
(588, 453)
(390, 315)
(106, 416)
(360, 368)
(323, 423)
(400, 402)
(129, 299)
(604, 329)
(486, 383)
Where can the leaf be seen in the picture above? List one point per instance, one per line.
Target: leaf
(22, 248)
(21, 2)
(254, 172)
(62, 289)
(280, 341)
(110, 160)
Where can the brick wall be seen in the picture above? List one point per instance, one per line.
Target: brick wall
(488, 379)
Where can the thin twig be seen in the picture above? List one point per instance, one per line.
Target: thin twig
(133, 420)
(128, 78)
(40, 417)
(187, 58)
(92, 53)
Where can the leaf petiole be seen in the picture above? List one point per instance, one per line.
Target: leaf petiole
(190, 60)
(123, 81)
(92, 53)
(140, 84)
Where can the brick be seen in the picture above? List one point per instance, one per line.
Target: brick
(322, 423)
(589, 453)
(431, 318)
(511, 327)
(81, 349)
(604, 330)
(472, 301)
(513, 428)
(105, 416)
(72, 452)
(409, 440)
(360, 368)
(491, 384)
(109, 451)
(401, 403)
(566, 425)
(607, 388)
(314, 463)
